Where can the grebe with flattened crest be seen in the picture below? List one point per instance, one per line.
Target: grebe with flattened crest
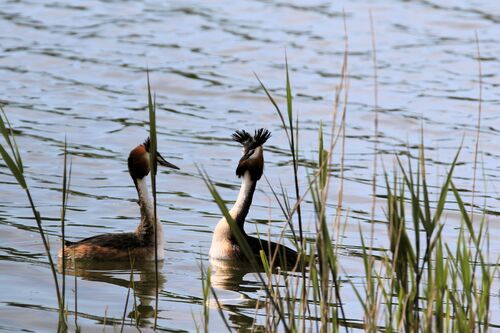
(139, 244)
(225, 246)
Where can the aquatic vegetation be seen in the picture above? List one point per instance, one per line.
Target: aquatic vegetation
(14, 162)
(422, 282)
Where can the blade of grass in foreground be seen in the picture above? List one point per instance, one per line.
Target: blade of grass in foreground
(15, 166)
(64, 204)
(289, 131)
(292, 133)
(294, 148)
(247, 251)
(77, 327)
(153, 164)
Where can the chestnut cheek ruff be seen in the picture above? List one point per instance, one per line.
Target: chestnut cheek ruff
(254, 166)
(138, 164)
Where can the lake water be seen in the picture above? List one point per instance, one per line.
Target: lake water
(78, 70)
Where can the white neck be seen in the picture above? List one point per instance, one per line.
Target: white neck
(223, 237)
(146, 227)
(244, 200)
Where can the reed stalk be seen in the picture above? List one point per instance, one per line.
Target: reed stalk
(419, 284)
(153, 164)
(14, 163)
(64, 204)
(245, 247)
(77, 327)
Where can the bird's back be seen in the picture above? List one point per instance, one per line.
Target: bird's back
(279, 254)
(108, 247)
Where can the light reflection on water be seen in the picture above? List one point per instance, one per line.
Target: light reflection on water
(78, 70)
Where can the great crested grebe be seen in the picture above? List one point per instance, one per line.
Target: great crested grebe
(225, 246)
(139, 244)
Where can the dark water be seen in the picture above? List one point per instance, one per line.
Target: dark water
(78, 70)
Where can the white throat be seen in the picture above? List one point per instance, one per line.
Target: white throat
(221, 241)
(242, 200)
(147, 214)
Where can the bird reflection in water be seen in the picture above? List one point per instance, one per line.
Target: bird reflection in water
(141, 283)
(237, 292)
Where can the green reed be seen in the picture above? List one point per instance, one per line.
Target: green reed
(293, 140)
(125, 307)
(283, 306)
(14, 163)
(75, 281)
(205, 287)
(64, 205)
(153, 164)
(322, 283)
(247, 251)
(420, 283)
(208, 292)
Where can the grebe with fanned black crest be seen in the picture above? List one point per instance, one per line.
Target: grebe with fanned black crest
(139, 244)
(225, 246)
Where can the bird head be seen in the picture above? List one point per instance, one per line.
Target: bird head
(139, 164)
(253, 153)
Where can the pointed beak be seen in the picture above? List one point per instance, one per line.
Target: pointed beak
(246, 156)
(164, 162)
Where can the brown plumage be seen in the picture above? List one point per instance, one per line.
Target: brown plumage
(139, 244)
(118, 246)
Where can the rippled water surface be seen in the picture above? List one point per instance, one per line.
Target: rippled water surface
(78, 70)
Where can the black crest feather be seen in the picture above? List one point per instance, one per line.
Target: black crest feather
(259, 138)
(242, 137)
(256, 165)
(147, 144)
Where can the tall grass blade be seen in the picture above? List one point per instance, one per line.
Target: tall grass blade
(153, 164)
(293, 148)
(242, 242)
(65, 195)
(8, 134)
(284, 206)
(77, 327)
(478, 125)
(16, 167)
(278, 111)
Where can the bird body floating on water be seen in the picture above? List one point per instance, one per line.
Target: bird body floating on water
(139, 244)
